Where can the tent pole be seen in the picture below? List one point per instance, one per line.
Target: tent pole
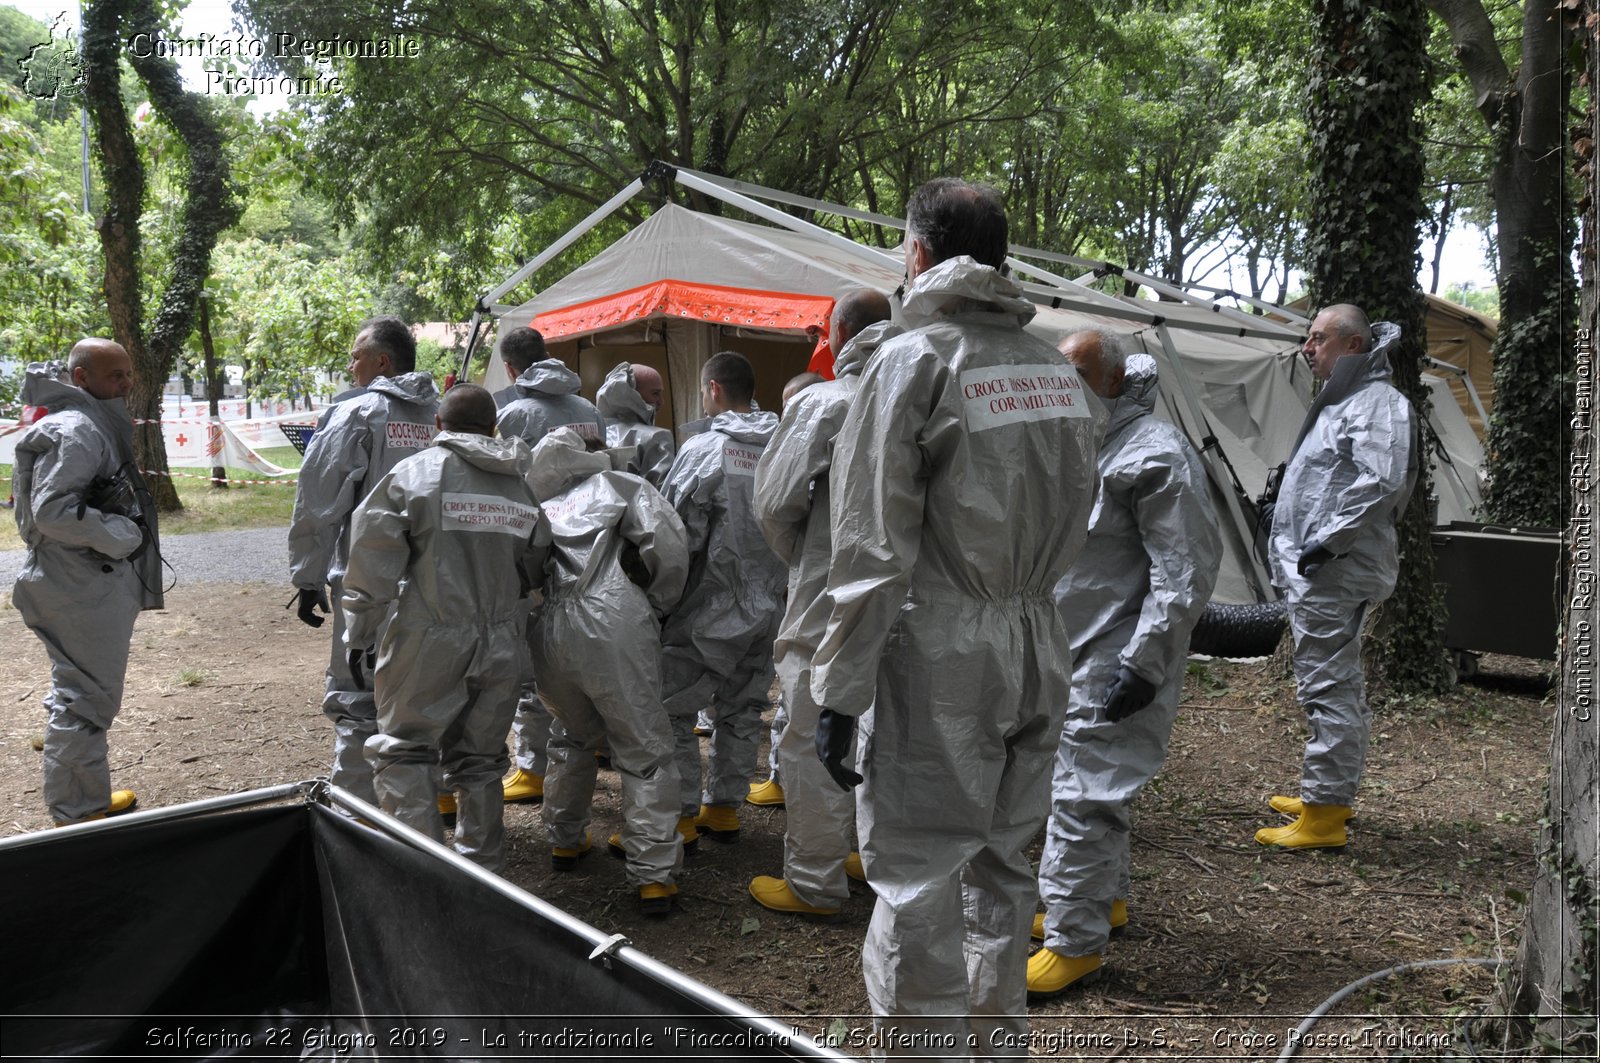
(1466, 381)
(599, 215)
(472, 340)
(1210, 453)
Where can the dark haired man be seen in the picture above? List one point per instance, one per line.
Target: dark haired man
(962, 481)
(356, 443)
(520, 348)
(717, 643)
(546, 399)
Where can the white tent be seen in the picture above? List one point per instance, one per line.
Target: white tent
(685, 284)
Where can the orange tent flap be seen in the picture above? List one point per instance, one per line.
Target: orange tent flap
(744, 307)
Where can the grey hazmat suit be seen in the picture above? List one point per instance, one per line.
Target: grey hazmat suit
(80, 589)
(792, 506)
(717, 644)
(597, 649)
(451, 538)
(356, 443)
(961, 484)
(1131, 599)
(1346, 485)
(630, 422)
(547, 399)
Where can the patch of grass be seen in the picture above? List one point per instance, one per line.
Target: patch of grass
(205, 507)
(193, 677)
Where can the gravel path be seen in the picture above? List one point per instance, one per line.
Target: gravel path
(258, 555)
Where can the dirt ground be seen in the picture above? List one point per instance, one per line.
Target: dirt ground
(1228, 947)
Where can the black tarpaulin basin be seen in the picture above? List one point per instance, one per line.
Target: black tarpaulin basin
(270, 925)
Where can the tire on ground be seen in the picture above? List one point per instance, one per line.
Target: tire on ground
(1239, 630)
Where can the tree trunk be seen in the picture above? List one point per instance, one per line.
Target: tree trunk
(1366, 210)
(1552, 989)
(1528, 435)
(219, 473)
(209, 207)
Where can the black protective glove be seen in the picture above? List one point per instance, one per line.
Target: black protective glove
(835, 731)
(1313, 559)
(1129, 693)
(308, 599)
(355, 659)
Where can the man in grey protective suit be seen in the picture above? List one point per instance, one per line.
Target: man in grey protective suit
(618, 560)
(628, 400)
(1335, 553)
(450, 540)
(717, 644)
(355, 444)
(93, 564)
(547, 399)
(769, 792)
(1129, 601)
(519, 350)
(962, 481)
(792, 505)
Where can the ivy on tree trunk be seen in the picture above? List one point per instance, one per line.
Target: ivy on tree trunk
(1366, 84)
(209, 207)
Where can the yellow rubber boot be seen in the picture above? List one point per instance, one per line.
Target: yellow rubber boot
(1050, 973)
(1290, 806)
(853, 867)
(523, 787)
(1317, 827)
(689, 833)
(567, 859)
(122, 801)
(768, 794)
(656, 899)
(1118, 920)
(722, 824)
(775, 893)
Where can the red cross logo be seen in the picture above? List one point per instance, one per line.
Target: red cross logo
(183, 440)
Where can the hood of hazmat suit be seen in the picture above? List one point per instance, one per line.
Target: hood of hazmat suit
(1150, 561)
(597, 517)
(791, 499)
(548, 398)
(62, 513)
(1349, 480)
(630, 422)
(736, 583)
(358, 442)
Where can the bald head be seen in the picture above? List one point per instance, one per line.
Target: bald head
(468, 409)
(854, 312)
(647, 382)
(1100, 358)
(101, 367)
(799, 383)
